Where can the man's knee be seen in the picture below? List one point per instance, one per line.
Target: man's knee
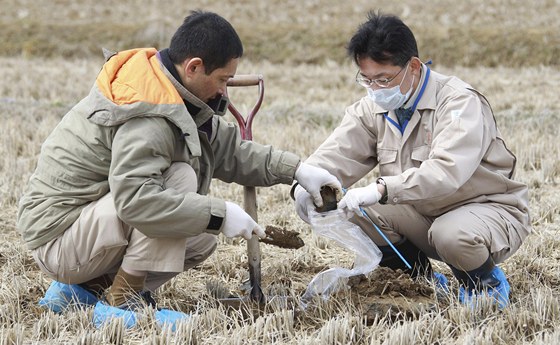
(458, 244)
(444, 234)
(199, 248)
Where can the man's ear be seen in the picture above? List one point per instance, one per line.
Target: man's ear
(193, 66)
(416, 65)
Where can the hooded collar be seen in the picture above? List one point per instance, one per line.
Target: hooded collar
(135, 83)
(200, 111)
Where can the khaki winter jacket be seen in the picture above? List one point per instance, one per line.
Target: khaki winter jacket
(450, 153)
(122, 137)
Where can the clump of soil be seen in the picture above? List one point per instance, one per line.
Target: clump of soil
(391, 293)
(282, 238)
(330, 199)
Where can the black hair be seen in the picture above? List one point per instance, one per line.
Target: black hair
(208, 36)
(384, 39)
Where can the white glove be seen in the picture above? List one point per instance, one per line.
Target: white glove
(303, 203)
(238, 223)
(357, 197)
(312, 178)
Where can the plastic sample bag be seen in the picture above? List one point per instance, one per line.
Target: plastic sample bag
(335, 225)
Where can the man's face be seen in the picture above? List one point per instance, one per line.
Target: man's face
(377, 76)
(381, 75)
(209, 86)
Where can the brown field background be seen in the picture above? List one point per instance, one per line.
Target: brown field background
(509, 50)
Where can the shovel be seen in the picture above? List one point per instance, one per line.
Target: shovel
(249, 193)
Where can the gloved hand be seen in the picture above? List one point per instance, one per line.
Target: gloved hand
(357, 197)
(303, 203)
(312, 178)
(238, 223)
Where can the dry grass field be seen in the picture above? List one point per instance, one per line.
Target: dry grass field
(509, 50)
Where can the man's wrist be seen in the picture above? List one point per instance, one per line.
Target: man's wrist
(384, 194)
(293, 190)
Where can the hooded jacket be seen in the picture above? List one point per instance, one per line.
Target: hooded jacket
(121, 138)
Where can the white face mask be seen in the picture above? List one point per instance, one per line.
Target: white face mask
(391, 98)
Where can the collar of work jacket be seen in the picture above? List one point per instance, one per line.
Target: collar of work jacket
(134, 83)
(427, 101)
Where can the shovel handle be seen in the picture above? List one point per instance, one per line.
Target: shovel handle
(245, 80)
(245, 123)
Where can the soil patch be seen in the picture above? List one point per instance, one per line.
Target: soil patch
(391, 293)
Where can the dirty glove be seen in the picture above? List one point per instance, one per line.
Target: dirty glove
(312, 178)
(238, 223)
(358, 197)
(303, 203)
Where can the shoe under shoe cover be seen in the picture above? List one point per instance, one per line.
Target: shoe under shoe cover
(103, 313)
(60, 296)
(500, 292)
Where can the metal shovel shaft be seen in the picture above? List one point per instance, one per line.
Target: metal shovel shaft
(253, 247)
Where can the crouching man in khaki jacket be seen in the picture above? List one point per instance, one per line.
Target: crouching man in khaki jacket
(446, 188)
(119, 196)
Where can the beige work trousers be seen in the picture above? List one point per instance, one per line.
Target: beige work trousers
(99, 243)
(463, 237)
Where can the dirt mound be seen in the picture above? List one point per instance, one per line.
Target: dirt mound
(391, 293)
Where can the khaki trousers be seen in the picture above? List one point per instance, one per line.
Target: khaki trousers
(99, 243)
(463, 237)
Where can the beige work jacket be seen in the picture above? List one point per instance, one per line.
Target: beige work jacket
(450, 153)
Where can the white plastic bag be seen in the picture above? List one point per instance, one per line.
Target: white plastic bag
(335, 225)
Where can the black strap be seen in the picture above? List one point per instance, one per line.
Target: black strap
(215, 222)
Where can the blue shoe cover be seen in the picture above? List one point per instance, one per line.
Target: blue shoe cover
(103, 313)
(166, 316)
(500, 293)
(440, 281)
(60, 296)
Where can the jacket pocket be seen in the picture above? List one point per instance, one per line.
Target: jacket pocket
(387, 159)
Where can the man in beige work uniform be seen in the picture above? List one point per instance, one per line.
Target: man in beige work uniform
(446, 188)
(119, 197)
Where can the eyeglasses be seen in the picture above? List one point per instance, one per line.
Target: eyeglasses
(383, 82)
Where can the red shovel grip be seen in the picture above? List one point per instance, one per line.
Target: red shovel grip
(245, 124)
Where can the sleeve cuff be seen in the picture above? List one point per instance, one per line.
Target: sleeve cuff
(287, 167)
(217, 215)
(393, 187)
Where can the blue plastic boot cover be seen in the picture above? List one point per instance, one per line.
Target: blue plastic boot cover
(167, 316)
(103, 313)
(499, 292)
(441, 282)
(60, 296)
